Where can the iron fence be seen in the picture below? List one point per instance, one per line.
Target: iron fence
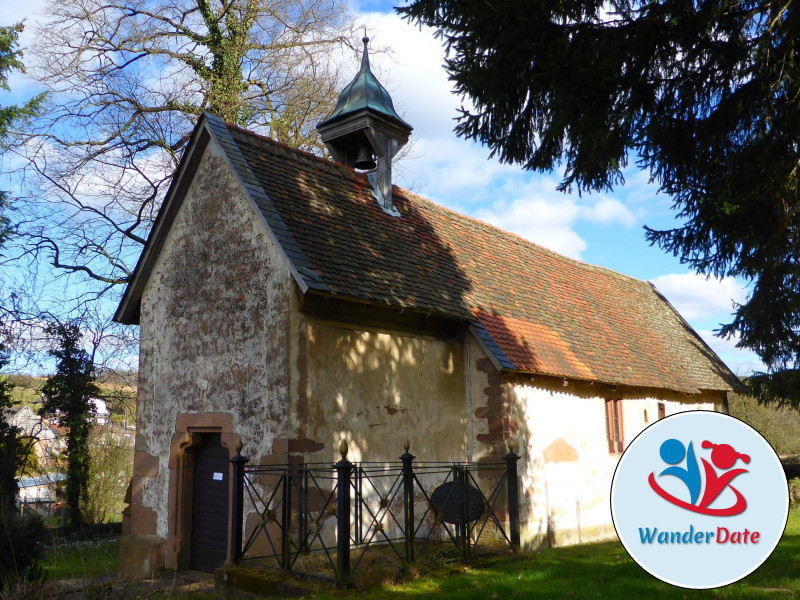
(340, 510)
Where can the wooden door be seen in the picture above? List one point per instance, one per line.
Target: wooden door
(210, 504)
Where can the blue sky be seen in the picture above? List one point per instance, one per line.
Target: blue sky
(602, 229)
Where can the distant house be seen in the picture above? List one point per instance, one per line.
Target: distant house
(48, 439)
(39, 493)
(287, 301)
(101, 412)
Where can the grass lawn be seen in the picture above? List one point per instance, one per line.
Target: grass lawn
(68, 559)
(590, 571)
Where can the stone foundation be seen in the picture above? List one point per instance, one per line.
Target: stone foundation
(140, 556)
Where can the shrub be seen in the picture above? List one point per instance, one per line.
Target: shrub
(794, 491)
(22, 540)
(33, 585)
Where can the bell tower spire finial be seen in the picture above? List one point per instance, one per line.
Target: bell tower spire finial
(365, 55)
(364, 131)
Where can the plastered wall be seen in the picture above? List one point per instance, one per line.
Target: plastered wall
(566, 467)
(377, 388)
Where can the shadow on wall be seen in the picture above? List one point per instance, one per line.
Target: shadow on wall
(380, 389)
(377, 388)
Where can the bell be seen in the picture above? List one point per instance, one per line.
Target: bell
(364, 160)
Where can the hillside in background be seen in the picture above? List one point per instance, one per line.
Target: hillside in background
(780, 426)
(119, 392)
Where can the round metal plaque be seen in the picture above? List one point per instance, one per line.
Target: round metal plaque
(454, 500)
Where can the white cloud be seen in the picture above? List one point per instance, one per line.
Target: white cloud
(697, 297)
(539, 219)
(413, 73)
(537, 211)
(608, 211)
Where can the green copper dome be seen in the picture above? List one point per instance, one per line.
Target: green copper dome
(364, 93)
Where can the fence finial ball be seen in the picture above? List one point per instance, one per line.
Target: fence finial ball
(343, 448)
(406, 446)
(512, 444)
(239, 446)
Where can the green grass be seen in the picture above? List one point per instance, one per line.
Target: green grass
(69, 559)
(590, 571)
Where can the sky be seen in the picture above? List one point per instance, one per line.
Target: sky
(602, 229)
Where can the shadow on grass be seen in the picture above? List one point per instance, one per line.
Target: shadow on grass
(602, 570)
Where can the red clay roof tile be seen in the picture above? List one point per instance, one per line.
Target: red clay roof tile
(549, 314)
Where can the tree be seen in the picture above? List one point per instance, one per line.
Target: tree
(109, 473)
(10, 61)
(128, 81)
(703, 95)
(9, 448)
(17, 452)
(66, 397)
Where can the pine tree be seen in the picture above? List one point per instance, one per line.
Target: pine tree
(67, 397)
(702, 95)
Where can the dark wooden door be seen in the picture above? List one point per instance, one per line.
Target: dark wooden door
(210, 504)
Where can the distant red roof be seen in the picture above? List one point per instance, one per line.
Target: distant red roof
(536, 310)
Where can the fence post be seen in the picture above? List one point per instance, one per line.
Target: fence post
(461, 475)
(408, 500)
(303, 508)
(513, 492)
(237, 501)
(286, 518)
(343, 470)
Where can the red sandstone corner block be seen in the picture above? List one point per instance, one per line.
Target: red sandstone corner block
(495, 409)
(296, 445)
(145, 464)
(497, 436)
(212, 420)
(504, 424)
(135, 488)
(140, 556)
(261, 543)
(143, 520)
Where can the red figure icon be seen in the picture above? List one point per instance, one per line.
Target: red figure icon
(724, 457)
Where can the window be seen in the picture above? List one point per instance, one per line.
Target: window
(662, 410)
(614, 426)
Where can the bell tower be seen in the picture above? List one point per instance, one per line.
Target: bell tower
(365, 132)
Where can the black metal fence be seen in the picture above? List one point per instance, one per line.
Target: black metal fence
(340, 510)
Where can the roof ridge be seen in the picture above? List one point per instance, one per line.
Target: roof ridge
(519, 238)
(321, 159)
(327, 162)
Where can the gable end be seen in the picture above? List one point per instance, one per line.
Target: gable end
(211, 128)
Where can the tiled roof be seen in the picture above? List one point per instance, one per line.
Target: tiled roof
(545, 313)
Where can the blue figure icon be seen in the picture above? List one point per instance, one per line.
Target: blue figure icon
(672, 452)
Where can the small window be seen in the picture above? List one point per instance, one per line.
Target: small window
(662, 410)
(614, 426)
